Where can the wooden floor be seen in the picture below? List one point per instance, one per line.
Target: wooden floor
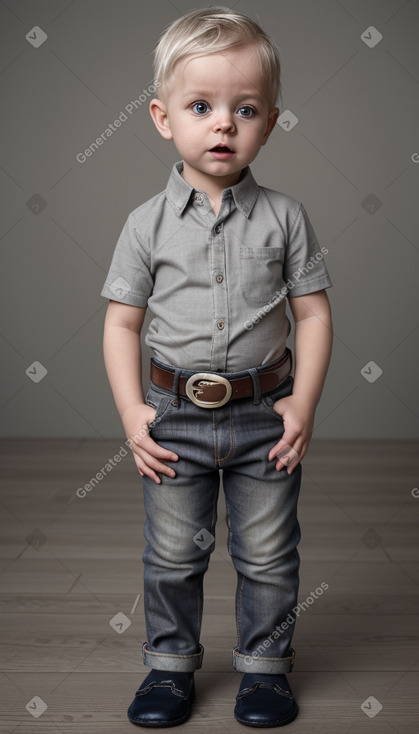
(70, 565)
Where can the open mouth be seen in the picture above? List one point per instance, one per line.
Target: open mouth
(221, 149)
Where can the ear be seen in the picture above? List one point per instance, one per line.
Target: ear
(159, 116)
(272, 118)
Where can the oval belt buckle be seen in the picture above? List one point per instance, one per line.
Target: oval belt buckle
(207, 378)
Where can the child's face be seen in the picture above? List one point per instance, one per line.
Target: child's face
(217, 99)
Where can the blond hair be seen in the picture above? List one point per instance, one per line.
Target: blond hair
(213, 30)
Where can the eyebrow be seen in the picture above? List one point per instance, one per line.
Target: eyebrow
(204, 92)
(195, 92)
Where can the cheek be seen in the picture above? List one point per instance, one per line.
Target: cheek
(255, 137)
(187, 132)
(262, 133)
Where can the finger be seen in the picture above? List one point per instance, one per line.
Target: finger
(287, 439)
(287, 457)
(144, 471)
(152, 448)
(152, 475)
(291, 459)
(147, 471)
(285, 452)
(301, 454)
(147, 454)
(149, 463)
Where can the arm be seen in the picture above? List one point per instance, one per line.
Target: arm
(122, 353)
(313, 346)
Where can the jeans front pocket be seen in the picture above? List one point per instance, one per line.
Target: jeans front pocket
(163, 403)
(282, 391)
(268, 403)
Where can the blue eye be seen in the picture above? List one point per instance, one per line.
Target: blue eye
(200, 108)
(246, 111)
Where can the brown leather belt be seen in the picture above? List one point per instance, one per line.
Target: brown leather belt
(214, 389)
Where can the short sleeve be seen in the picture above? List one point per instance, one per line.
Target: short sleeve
(129, 279)
(304, 269)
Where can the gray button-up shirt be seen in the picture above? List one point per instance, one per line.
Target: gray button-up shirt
(216, 284)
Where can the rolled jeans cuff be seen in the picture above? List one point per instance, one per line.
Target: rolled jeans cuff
(253, 664)
(171, 661)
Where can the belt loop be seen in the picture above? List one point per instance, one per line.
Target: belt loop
(176, 376)
(257, 392)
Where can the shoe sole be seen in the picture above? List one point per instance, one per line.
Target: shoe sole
(161, 724)
(272, 724)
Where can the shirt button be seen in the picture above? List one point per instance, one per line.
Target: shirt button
(199, 198)
(220, 325)
(219, 278)
(217, 229)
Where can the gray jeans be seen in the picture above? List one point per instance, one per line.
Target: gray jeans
(181, 515)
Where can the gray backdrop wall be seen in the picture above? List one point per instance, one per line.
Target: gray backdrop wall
(350, 76)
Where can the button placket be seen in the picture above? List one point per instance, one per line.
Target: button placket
(220, 330)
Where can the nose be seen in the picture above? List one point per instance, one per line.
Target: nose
(224, 122)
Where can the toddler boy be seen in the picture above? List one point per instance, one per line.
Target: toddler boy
(215, 257)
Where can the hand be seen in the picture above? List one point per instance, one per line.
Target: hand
(148, 455)
(298, 416)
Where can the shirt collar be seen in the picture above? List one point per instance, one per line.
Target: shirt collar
(179, 192)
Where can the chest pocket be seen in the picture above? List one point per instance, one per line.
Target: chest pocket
(261, 273)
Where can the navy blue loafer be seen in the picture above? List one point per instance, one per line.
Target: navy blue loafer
(265, 701)
(163, 699)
